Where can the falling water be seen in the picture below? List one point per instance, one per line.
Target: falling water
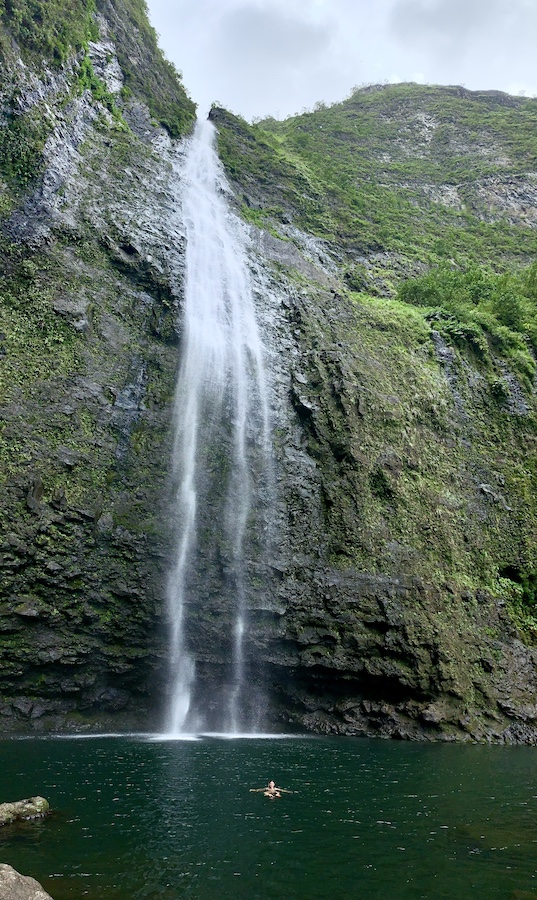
(220, 408)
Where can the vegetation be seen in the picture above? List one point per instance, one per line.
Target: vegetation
(482, 311)
(400, 170)
(36, 341)
(147, 73)
(22, 139)
(88, 80)
(44, 32)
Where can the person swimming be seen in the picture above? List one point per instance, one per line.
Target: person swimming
(271, 791)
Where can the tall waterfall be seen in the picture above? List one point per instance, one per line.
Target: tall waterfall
(221, 430)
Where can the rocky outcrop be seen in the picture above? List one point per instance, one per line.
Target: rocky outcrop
(34, 808)
(19, 887)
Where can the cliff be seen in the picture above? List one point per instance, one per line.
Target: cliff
(406, 605)
(91, 246)
(393, 237)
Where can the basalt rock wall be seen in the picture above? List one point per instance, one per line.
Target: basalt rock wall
(407, 506)
(92, 257)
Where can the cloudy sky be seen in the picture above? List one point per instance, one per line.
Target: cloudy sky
(277, 57)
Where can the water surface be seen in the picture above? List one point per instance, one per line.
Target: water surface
(139, 818)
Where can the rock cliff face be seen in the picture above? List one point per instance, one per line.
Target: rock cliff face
(92, 248)
(404, 600)
(397, 598)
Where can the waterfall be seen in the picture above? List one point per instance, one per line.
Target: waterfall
(222, 434)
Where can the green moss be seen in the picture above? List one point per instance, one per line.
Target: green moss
(22, 138)
(36, 340)
(519, 591)
(88, 80)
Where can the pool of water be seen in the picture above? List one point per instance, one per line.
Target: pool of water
(149, 818)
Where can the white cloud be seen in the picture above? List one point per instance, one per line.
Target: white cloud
(276, 57)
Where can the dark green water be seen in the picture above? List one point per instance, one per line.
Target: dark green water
(371, 819)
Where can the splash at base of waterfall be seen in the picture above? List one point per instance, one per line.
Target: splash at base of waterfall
(221, 450)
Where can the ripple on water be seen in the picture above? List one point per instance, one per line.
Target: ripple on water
(142, 816)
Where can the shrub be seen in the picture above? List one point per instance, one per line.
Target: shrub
(482, 310)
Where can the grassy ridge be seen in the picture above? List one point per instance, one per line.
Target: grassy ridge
(399, 169)
(384, 156)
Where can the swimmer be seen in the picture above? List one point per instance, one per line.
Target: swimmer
(271, 791)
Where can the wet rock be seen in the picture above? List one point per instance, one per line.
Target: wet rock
(33, 808)
(29, 610)
(35, 495)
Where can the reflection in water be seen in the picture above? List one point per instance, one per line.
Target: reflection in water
(140, 818)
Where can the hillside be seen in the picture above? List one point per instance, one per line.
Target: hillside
(398, 176)
(401, 228)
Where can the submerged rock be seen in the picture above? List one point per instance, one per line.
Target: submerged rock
(14, 886)
(33, 808)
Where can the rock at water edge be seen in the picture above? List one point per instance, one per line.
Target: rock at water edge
(33, 808)
(19, 887)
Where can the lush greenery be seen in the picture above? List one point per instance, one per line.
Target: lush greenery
(43, 29)
(482, 311)
(399, 170)
(21, 146)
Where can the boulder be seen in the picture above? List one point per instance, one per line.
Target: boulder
(19, 887)
(33, 808)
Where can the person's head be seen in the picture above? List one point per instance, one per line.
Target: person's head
(271, 785)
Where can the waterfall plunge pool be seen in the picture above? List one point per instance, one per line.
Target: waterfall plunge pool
(138, 817)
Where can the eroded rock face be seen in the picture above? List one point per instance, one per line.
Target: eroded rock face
(19, 887)
(34, 808)
(393, 496)
(92, 261)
